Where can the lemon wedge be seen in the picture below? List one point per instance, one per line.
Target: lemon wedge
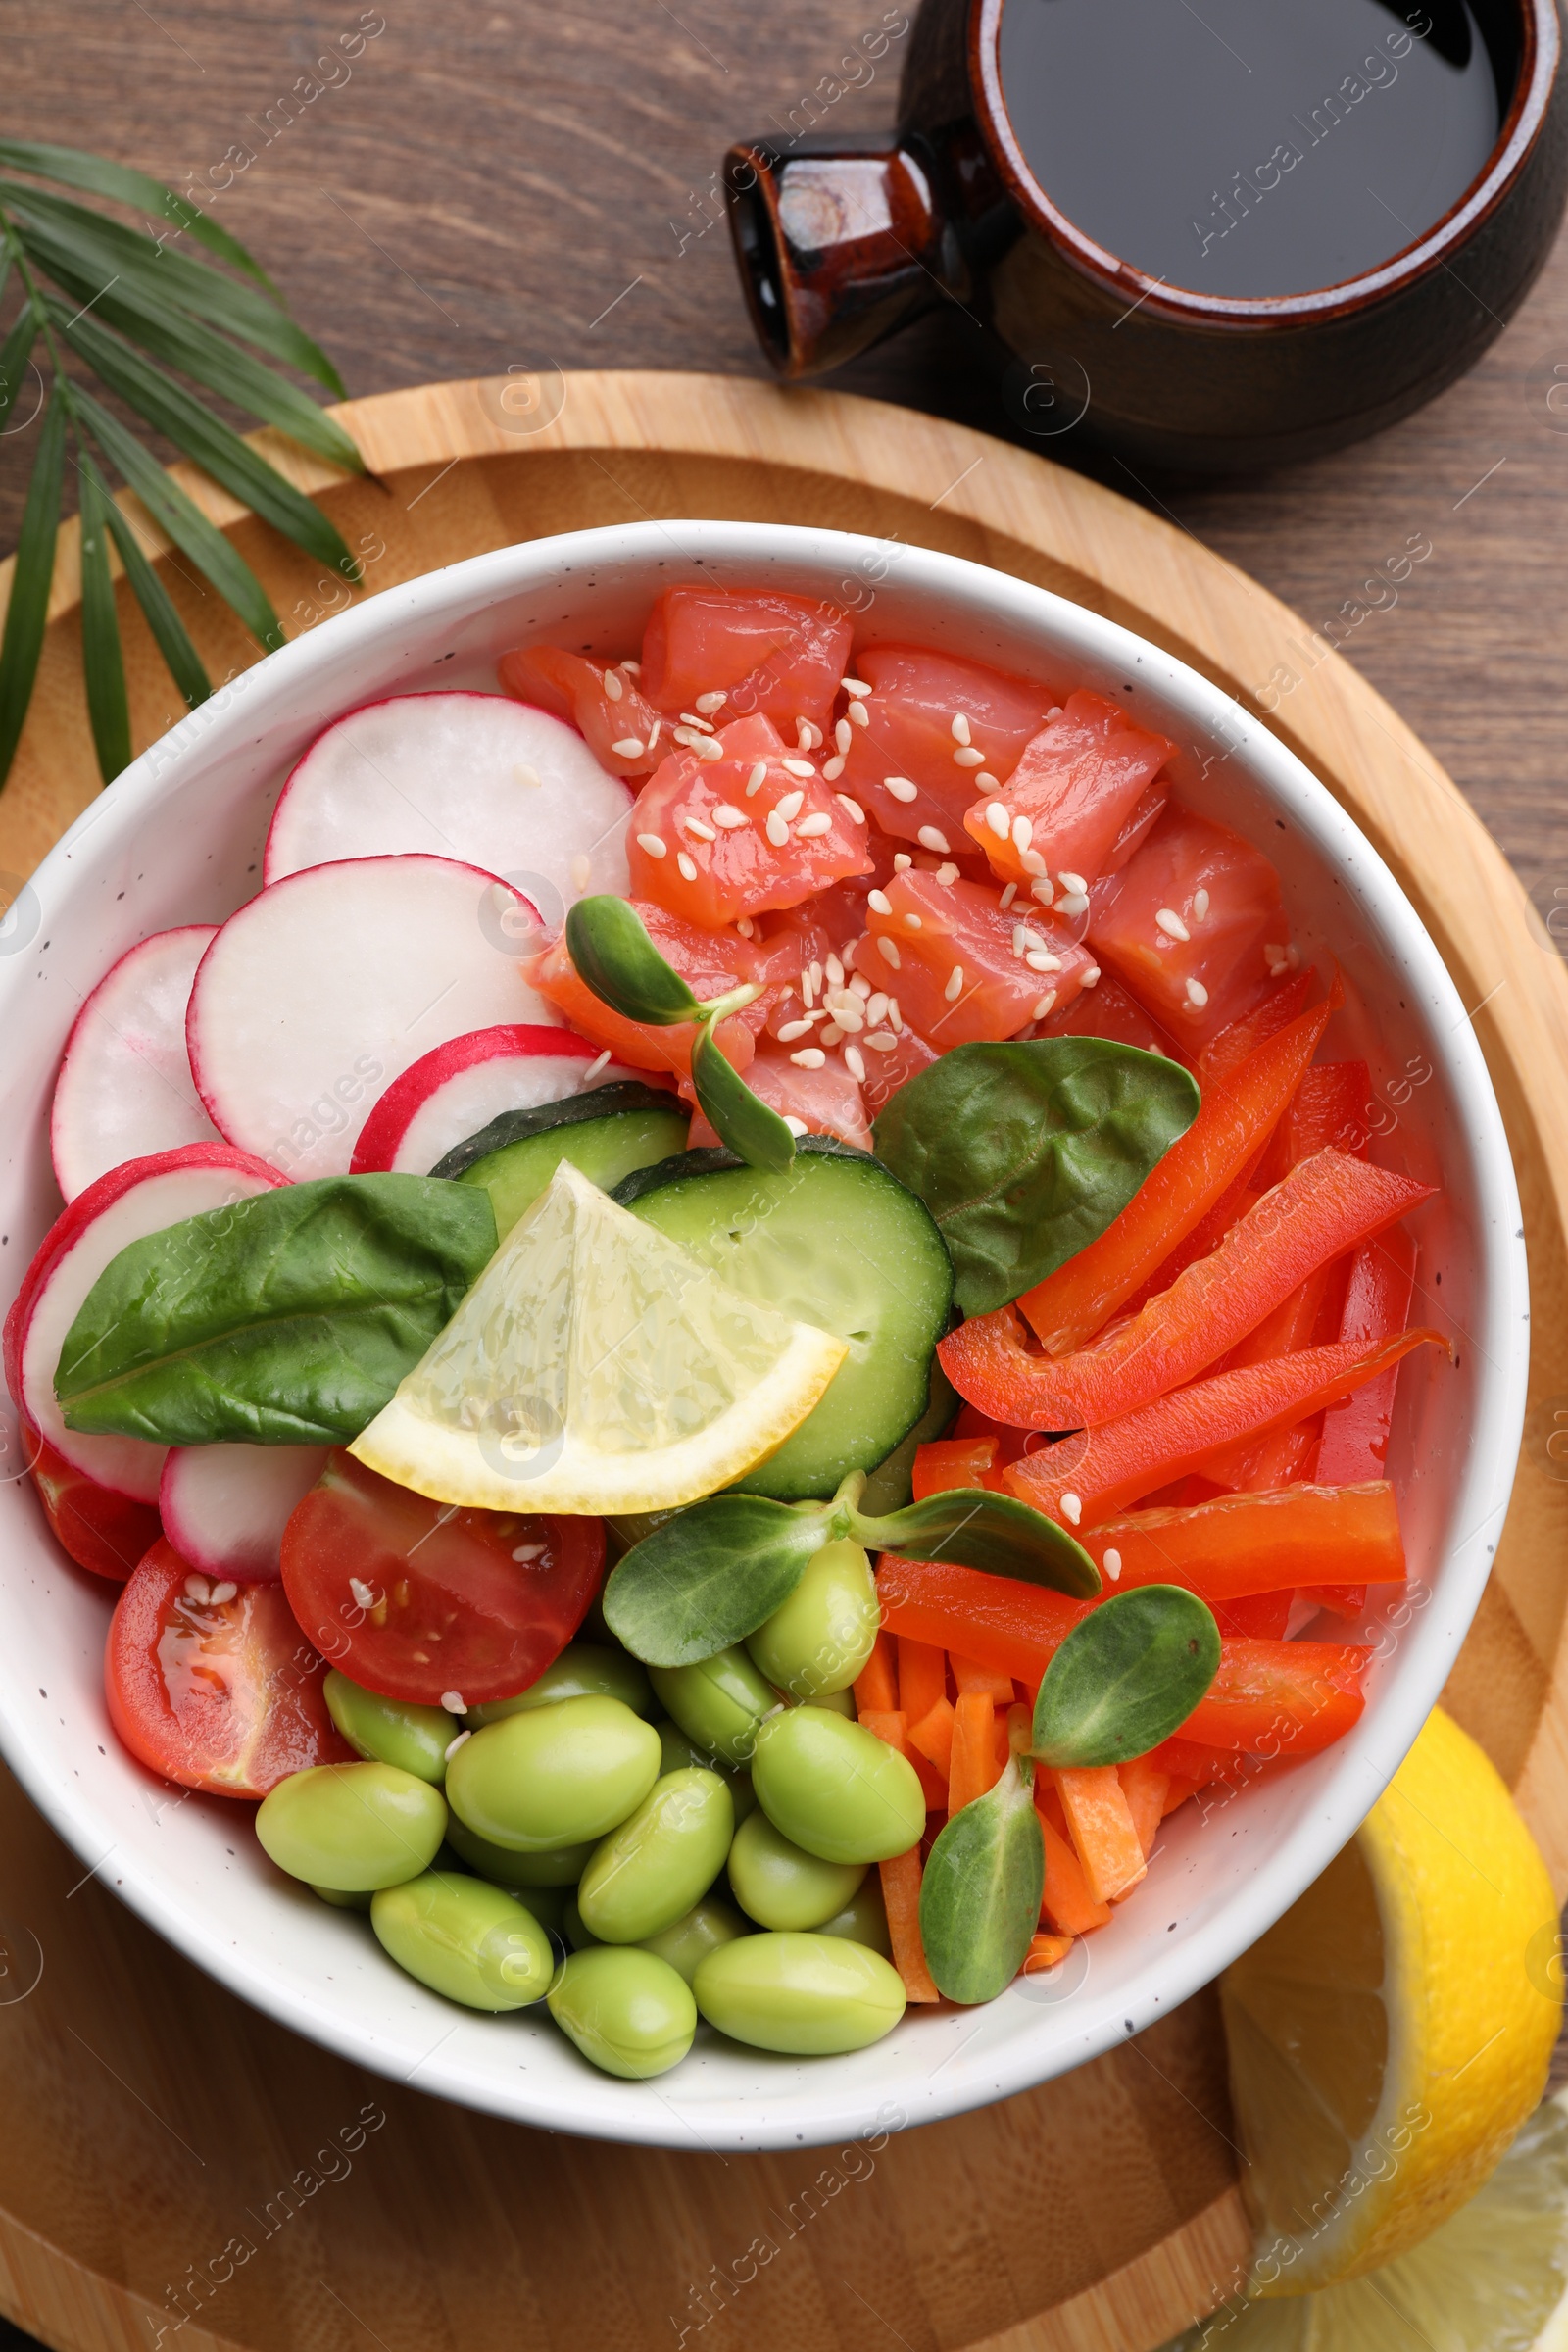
(1494, 2278)
(595, 1367)
(1390, 2034)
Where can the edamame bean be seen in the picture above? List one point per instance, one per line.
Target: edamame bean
(864, 1918)
(352, 1827)
(811, 1995)
(351, 1900)
(583, 1670)
(521, 1875)
(465, 1938)
(387, 1731)
(678, 1751)
(649, 1872)
(554, 1775)
(818, 1641)
(780, 1884)
(719, 1702)
(835, 1787)
(706, 1926)
(627, 2011)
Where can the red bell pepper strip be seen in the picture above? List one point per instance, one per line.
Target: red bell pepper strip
(1321, 1209)
(1087, 1477)
(1308, 1318)
(1015, 1629)
(1377, 1302)
(1226, 1052)
(956, 1462)
(1241, 1545)
(1279, 1699)
(1204, 1236)
(1333, 1104)
(1235, 1120)
(1194, 1765)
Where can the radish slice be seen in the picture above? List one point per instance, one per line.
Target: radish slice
(124, 1089)
(476, 777)
(123, 1206)
(225, 1507)
(331, 984)
(450, 1093)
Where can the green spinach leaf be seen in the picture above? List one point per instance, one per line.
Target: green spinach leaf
(980, 1890)
(1127, 1678)
(1025, 1152)
(287, 1319)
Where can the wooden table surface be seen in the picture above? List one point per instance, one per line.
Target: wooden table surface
(537, 184)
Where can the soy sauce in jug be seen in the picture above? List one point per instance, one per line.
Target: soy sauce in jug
(1255, 147)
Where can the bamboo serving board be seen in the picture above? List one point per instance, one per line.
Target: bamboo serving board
(176, 2169)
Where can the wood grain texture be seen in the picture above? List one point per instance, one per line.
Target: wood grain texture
(995, 2231)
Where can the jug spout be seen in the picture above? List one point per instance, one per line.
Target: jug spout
(837, 245)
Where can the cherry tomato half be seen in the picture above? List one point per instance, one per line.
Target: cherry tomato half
(212, 1684)
(101, 1531)
(415, 1598)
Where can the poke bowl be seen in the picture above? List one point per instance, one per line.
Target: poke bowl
(409, 999)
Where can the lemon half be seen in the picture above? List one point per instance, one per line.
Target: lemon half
(1390, 2034)
(594, 1368)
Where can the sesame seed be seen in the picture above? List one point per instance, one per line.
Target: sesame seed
(797, 1127)
(685, 867)
(695, 824)
(847, 1019)
(1021, 936)
(888, 950)
(1168, 921)
(688, 736)
(876, 1007)
(832, 1035)
(879, 902)
(851, 809)
(654, 844)
(834, 970)
(707, 747)
(1275, 955)
(689, 718)
(947, 875)
(614, 687)
(1010, 894)
(843, 735)
(966, 756)
(1201, 905)
(813, 974)
(798, 767)
(807, 737)
(1043, 1005)
(744, 926)
(1041, 960)
(985, 781)
(523, 774)
(1111, 1563)
(728, 819)
(1033, 863)
(911, 922)
(634, 668)
(581, 871)
(955, 988)
(1275, 969)
(902, 789)
(1073, 882)
(630, 748)
(794, 1029)
(453, 1702)
(811, 828)
(855, 1062)
(708, 704)
(789, 808)
(223, 1591)
(882, 1041)
(960, 727)
(1072, 1508)
(453, 1745)
(858, 715)
(855, 686)
(1293, 956)
(1053, 712)
(1197, 994)
(1074, 901)
(930, 839)
(895, 1016)
(997, 820)
(810, 1057)
(778, 831)
(1089, 977)
(1042, 890)
(653, 733)
(586, 1080)
(833, 769)
(363, 1597)
(1023, 832)
(860, 986)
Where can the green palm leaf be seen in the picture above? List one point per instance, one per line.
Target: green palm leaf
(15, 353)
(183, 661)
(96, 175)
(103, 662)
(29, 609)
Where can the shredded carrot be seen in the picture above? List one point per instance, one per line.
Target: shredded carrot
(1177, 1792)
(1066, 1904)
(900, 1899)
(891, 1728)
(933, 1737)
(1144, 1784)
(876, 1686)
(1100, 1824)
(970, 1675)
(1045, 1951)
(922, 1676)
(974, 1767)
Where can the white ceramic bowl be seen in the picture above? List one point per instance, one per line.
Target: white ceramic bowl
(178, 839)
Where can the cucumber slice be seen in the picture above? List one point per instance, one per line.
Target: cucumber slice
(891, 1485)
(607, 1133)
(834, 1240)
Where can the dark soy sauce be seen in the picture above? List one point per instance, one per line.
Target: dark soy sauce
(1254, 147)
